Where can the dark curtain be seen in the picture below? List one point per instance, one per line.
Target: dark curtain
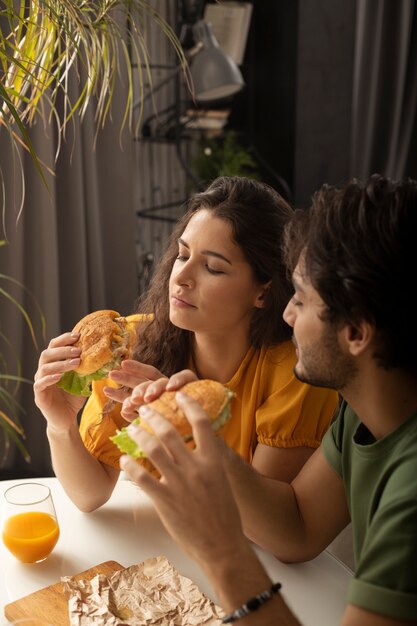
(384, 129)
(73, 248)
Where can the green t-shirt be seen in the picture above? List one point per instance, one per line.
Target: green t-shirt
(380, 479)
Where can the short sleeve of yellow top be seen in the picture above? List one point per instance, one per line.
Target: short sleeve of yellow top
(270, 406)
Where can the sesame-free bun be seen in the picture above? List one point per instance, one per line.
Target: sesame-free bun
(105, 340)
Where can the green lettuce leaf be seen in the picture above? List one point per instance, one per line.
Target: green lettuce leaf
(80, 385)
(126, 444)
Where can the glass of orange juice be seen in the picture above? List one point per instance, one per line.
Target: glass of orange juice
(30, 525)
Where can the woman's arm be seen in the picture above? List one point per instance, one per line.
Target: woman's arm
(87, 482)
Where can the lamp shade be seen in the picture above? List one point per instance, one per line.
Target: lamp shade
(215, 75)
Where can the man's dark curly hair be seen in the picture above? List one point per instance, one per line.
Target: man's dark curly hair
(356, 247)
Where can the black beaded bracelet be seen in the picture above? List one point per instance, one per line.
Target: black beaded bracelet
(252, 604)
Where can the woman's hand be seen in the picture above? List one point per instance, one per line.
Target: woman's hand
(150, 390)
(130, 375)
(58, 407)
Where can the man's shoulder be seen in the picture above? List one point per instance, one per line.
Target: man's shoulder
(346, 421)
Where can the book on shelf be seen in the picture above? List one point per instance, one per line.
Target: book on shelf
(230, 22)
(205, 119)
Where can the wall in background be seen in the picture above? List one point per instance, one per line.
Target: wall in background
(297, 106)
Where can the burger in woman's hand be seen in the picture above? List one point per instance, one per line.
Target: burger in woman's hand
(106, 339)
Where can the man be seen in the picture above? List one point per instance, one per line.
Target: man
(353, 263)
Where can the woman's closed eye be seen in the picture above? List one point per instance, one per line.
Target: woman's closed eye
(212, 270)
(182, 258)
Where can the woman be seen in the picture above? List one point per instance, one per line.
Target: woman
(217, 299)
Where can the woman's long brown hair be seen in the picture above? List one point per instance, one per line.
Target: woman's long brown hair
(257, 215)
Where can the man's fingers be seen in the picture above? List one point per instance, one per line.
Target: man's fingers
(138, 474)
(164, 445)
(200, 426)
(199, 420)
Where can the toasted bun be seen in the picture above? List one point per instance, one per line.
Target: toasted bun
(105, 338)
(212, 395)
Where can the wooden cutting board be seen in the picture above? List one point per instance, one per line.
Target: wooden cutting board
(51, 603)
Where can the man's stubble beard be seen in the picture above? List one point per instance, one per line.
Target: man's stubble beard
(324, 363)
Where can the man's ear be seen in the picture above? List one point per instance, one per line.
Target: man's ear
(260, 298)
(358, 337)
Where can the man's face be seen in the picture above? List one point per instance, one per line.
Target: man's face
(321, 360)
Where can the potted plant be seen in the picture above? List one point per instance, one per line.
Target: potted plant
(11, 431)
(224, 155)
(41, 43)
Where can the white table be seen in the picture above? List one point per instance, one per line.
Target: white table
(128, 530)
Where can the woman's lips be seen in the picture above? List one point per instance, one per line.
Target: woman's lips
(180, 303)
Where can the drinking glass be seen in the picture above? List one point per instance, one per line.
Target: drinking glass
(30, 525)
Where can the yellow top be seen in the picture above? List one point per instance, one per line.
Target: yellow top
(270, 406)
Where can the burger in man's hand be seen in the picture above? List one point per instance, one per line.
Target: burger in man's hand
(214, 398)
(106, 339)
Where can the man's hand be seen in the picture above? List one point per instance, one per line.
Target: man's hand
(194, 500)
(193, 497)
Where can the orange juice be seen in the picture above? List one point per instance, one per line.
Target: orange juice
(31, 536)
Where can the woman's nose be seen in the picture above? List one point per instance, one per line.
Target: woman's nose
(185, 275)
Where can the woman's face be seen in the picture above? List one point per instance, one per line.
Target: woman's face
(212, 288)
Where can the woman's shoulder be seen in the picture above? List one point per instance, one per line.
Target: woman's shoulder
(137, 322)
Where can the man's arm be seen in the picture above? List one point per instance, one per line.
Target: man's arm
(237, 580)
(208, 528)
(280, 463)
(257, 495)
(297, 521)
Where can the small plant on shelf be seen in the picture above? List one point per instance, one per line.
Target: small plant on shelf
(223, 156)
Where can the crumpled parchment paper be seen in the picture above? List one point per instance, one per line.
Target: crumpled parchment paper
(152, 592)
